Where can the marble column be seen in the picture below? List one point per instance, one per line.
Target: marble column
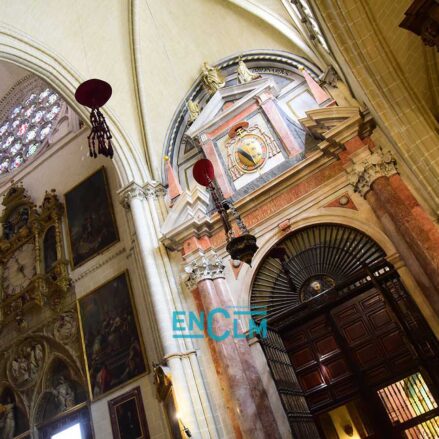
(246, 400)
(135, 198)
(424, 220)
(371, 178)
(400, 243)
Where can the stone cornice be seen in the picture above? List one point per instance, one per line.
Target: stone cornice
(133, 190)
(205, 266)
(363, 173)
(338, 124)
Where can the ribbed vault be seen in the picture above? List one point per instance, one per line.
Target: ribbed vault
(309, 262)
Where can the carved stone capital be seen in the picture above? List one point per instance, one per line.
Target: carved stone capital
(206, 266)
(154, 189)
(130, 192)
(379, 164)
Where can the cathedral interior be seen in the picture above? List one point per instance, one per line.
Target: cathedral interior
(262, 258)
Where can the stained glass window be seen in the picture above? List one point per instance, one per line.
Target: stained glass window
(27, 127)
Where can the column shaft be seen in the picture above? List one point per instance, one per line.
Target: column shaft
(423, 219)
(260, 396)
(421, 243)
(403, 248)
(162, 311)
(226, 353)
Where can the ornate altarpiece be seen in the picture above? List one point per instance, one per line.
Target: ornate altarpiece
(41, 371)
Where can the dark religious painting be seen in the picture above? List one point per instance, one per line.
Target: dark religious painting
(92, 227)
(49, 245)
(128, 416)
(113, 347)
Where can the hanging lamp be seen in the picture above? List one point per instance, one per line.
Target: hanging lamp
(95, 93)
(241, 247)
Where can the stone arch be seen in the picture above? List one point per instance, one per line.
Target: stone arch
(20, 49)
(309, 261)
(61, 385)
(351, 219)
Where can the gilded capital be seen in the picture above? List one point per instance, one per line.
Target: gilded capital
(206, 266)
(379, 164)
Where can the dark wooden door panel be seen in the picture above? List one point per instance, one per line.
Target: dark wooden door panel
(359, 340)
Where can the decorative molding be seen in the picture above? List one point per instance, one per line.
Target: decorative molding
(206, 266)
(338, 125)
(178, 355)
(154, 189)
(99, 265)
(379, 164)
(188, 217)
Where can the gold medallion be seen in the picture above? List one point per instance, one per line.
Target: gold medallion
(249, 149)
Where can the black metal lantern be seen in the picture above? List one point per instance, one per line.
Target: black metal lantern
(242, 247)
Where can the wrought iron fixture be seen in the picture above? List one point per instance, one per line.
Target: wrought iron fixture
(243, 246)
(309, 262)
(95, 93)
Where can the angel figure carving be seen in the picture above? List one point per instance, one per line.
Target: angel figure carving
(194, 110)
(212, 78)
(244, 74)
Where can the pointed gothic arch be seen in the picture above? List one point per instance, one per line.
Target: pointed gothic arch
(22, 50)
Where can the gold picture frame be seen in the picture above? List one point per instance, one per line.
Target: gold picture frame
(81, 217)
(112, 318)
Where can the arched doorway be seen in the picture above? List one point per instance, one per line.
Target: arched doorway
(350, 353)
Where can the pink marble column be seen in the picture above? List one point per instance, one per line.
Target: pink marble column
(423, 219)
(397, 238)
(424, 246)
(260, 397)
(227, 359)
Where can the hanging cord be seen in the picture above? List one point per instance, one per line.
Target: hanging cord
(100, 133)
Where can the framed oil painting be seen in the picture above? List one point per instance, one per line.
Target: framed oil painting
(127, 415)
(113, 347)
(90, 218)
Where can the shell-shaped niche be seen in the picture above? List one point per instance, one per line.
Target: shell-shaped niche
(13, 415)
(62, 390)
(25, 363)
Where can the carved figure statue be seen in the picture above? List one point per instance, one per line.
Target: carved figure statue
(7, 420)
(213, 79)
(64, 394)
(194, 110)
(244, 74)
